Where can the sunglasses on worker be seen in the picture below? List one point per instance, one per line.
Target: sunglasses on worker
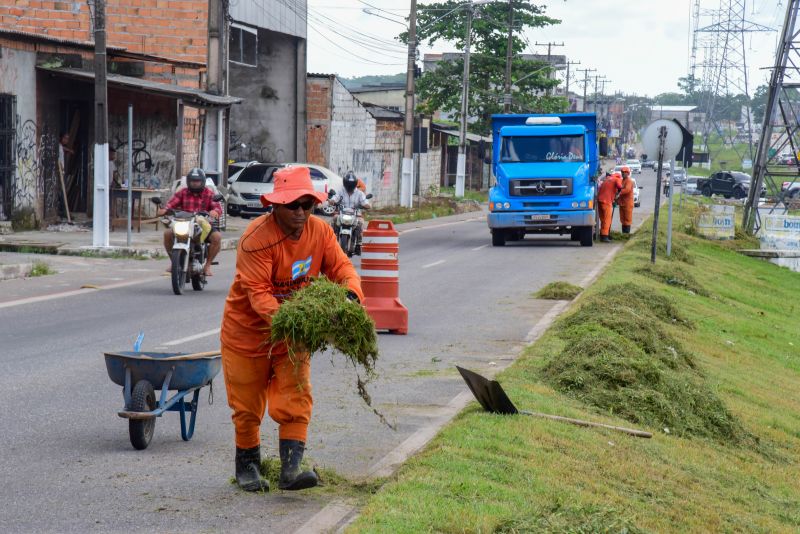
(292, 206)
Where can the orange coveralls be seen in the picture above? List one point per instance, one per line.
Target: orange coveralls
(361, 185)
(269, 268)
(625, 203)
(605, 202)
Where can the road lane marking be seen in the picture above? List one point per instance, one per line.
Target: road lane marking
(480, 247)
(191, 338)
(433, 264)
(53, 296)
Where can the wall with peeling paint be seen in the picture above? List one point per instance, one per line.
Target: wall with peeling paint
(267, 120)
(18, 77)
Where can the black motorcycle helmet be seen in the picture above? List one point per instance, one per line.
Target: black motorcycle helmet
(350, 182)
(196, 180)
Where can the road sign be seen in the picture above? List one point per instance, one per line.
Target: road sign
(672, 143)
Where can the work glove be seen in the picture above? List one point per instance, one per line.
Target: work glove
(351, 295)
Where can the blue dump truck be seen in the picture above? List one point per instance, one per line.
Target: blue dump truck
(545, 167)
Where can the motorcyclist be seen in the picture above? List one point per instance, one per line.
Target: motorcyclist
(193, 198)
(351, 197)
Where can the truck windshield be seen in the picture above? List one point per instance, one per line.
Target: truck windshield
(556, 149)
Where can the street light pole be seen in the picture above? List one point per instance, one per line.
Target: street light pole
(407, 179)
(461, 164)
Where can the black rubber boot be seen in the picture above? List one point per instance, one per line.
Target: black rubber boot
(626, 229)
(292, 478)
(605, 239)
(248, 470)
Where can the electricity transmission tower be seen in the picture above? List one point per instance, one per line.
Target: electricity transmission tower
(725, 73)
(780, 132)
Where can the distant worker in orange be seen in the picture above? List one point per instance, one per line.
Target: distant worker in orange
(278, 254)
(361, 185)
(625, 200)
(606, 196)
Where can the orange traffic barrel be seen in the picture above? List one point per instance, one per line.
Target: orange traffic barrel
(380, 277)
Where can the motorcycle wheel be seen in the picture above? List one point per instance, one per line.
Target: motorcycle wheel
(199, 279)
(178, 274)
(344, 242)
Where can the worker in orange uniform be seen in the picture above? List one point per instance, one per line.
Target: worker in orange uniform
(606, 196)
(625, 200)
(278, 254)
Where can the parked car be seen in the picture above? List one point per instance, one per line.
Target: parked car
(690, 185)
(635, 165)
(324, 180)
(679, 175)
(649, 164)
(636, 189)
(792, 189)
(726, 183)
(246, 187)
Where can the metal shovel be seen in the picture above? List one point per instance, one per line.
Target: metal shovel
(493, 398)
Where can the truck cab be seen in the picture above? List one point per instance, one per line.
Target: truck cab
(545, 167)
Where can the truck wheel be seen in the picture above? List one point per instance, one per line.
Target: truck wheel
(586, 235)
(575, 235)
(707, 191)
(498, 238)
(739, 193)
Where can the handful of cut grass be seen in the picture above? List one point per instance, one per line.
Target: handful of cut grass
(320, 317)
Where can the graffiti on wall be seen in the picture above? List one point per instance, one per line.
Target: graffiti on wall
(245, 149)
(36, 180)
(153, 148)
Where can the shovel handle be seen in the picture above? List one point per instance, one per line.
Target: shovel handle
(581, 422)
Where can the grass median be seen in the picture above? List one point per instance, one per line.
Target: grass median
(702, 350)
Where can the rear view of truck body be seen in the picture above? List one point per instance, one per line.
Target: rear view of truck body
(545, 168)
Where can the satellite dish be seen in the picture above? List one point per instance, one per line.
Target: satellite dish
(672, 143)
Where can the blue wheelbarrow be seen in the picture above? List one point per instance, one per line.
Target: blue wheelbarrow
(140, 373)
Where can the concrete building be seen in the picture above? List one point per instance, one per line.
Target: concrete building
(344, 134)
(267, 68)
(157, 56)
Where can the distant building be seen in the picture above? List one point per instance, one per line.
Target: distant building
(391, 96)
(688, 116)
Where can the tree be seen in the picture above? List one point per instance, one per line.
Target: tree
(440, 89)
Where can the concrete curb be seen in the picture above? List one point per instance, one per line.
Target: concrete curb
(18, 270)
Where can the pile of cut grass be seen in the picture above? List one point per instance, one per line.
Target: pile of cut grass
(673, 275)
(558, 291)
(620, 358)
(321, 316)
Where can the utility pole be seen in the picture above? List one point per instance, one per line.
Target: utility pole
(461, 164)
(566, 89)
(100, 208)
(509, 55)
(594, 100)
(549, 47)
(407, 178)
(585, 83)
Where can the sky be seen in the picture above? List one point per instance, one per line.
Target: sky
(641, 46)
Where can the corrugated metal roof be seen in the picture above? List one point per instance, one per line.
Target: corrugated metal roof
(44, 38)
(677, 109)
(379, 112)
(455, 133)
(188, 94)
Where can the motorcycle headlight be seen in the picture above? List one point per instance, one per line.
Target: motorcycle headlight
(182, 228)
(348, 219)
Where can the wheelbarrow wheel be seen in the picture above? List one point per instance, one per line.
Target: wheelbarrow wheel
(143, 399)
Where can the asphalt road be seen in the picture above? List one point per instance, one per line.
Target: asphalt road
(67, 463)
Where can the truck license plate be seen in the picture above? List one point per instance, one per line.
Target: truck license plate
(540, 217)
(254, 204)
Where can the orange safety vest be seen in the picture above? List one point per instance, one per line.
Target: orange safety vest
(626, 194)
(608, 190)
